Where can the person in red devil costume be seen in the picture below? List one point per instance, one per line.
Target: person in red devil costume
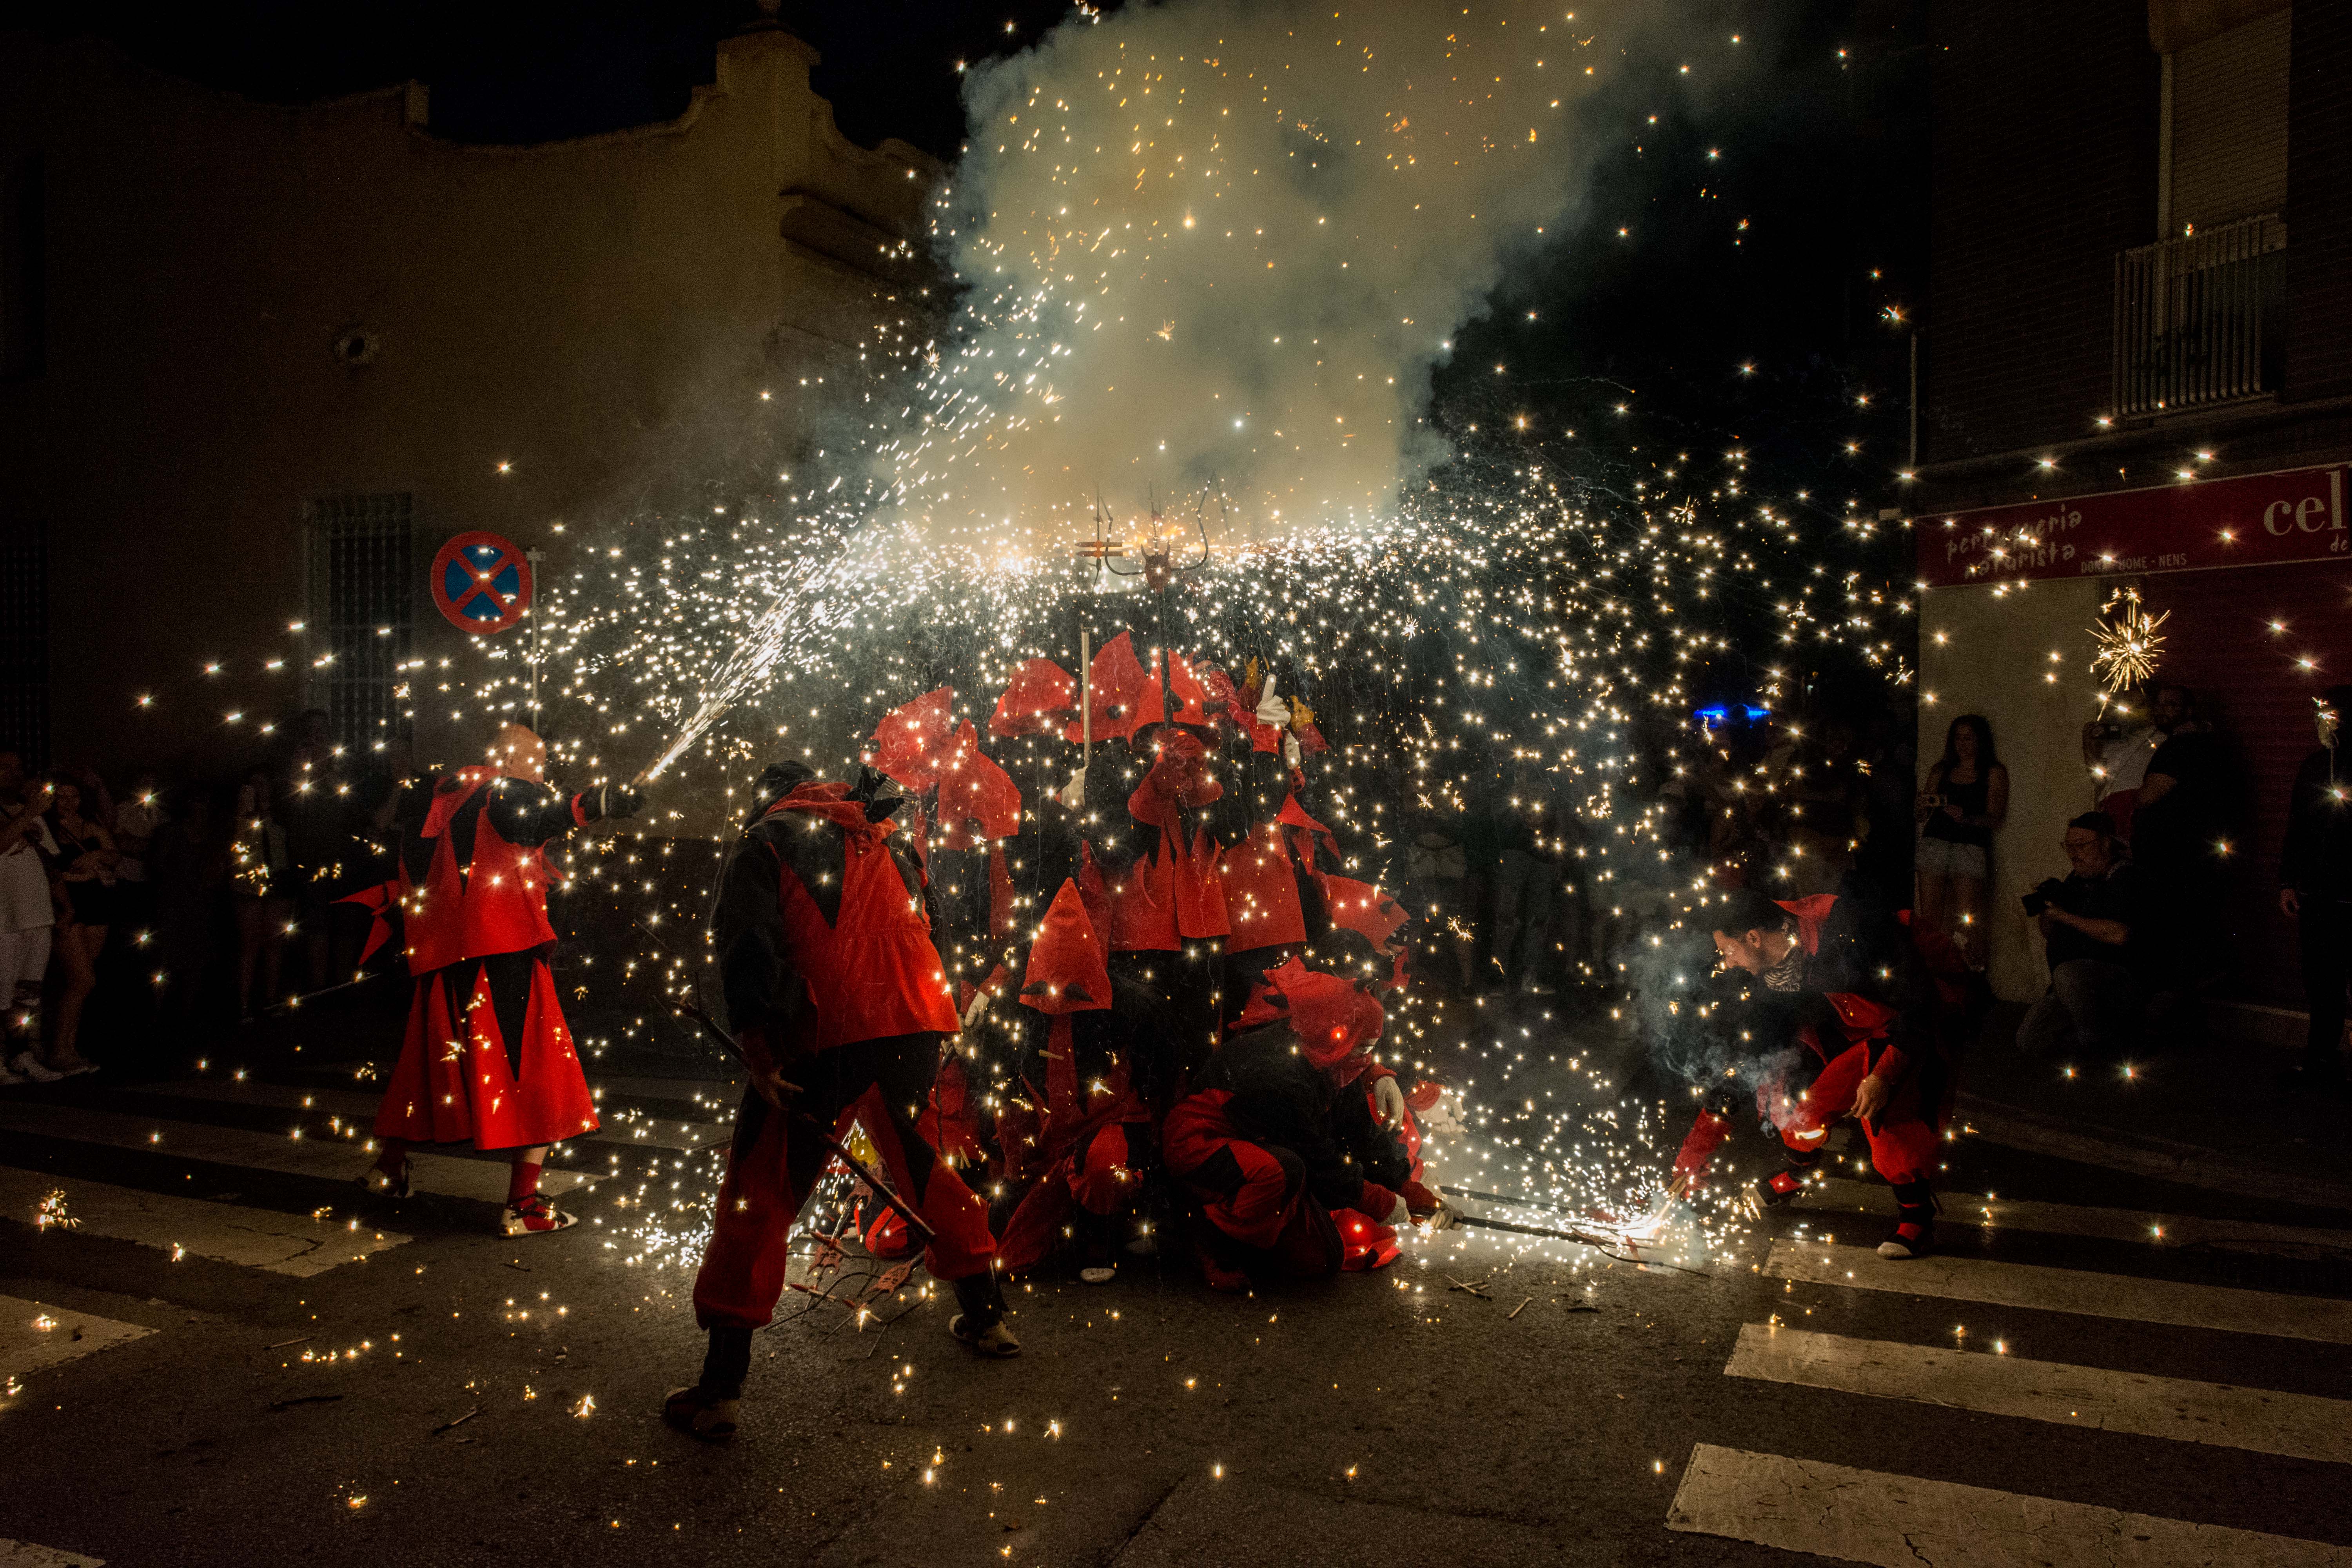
(1083, 1129)
(487, 1057)
(840, 1003)
(1278, 1144)
(1850, 1027)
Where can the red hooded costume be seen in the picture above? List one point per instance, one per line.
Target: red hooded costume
(488, 1056)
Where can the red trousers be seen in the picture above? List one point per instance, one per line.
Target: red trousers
(1102, 1173)
(1902, 1137)
(1255, 1195)
(776, 1159)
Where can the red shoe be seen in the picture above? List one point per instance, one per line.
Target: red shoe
(534, 1216)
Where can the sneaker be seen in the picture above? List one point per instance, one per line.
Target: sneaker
(8, 1078)
(75, 1067)
(701, 1415)
(1782, 1187)
(1915, 1235)
(29, 1066)
(536, 1217)
(995, 1340)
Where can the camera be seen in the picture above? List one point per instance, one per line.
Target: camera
(2050, 891)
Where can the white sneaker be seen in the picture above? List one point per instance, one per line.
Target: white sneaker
(9, 1080)
(30, 1067)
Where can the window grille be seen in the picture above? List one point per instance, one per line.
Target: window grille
(2197, 319)
(362, 582)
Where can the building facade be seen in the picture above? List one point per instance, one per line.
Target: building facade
(2136, 376)
(258, 365)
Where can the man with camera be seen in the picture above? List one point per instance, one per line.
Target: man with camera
(2088, 918)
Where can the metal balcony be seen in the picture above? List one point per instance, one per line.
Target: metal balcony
(2197, 318)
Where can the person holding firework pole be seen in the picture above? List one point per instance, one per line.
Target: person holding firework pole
(487, 1057)
(1840, 1030)
(839, 1003)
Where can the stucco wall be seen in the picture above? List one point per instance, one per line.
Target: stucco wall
(600, 314)
(1986, 650)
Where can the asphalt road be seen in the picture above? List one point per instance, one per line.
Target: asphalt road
(234, 1359)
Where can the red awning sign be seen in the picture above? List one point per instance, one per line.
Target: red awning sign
(481, 583)
(2257, 520)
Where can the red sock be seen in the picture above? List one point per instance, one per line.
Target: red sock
(523, 1182)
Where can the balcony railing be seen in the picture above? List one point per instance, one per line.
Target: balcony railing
(2197, 319)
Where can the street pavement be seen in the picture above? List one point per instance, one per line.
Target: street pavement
(221, 1353)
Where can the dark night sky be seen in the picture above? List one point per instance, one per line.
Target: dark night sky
(1818, 121)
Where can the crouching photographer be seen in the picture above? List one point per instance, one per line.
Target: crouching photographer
(2088, 920)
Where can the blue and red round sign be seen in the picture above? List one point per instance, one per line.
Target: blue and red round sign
(481, 583)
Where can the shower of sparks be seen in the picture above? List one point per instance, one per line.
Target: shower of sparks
(1199, 283)
(2127, 640)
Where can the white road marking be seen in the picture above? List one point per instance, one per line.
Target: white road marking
(2121, 1296)
(357, 1108)
(33, 1335)
(1902, 1522)
(1838, 1194)
(288, 1244)
(24, 1554)
(327, 1159)
(2265, 1421)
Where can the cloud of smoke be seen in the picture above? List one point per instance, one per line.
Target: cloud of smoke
(1226, 240)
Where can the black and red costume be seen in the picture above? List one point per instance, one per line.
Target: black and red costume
(1278, 1142)
(831, 977)
(488, 1056)
(1079, 1134)
(1839, 1008)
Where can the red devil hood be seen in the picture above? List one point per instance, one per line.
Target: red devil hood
(1066, 973)
(1039, 693)
(1334, 1022)
(1812, 913)
(1123, 695)
(974, 789)
(909, 742)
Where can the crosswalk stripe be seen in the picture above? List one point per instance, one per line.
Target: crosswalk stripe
(34, 1334)
(2300, 1425)
(2119, 1296)
(359, 1108)
(325, 1159)
(24, 1554)
(286, 1243)
(1838, 1195)
(1902, 1522)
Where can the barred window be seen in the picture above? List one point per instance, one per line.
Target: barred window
(363, 577)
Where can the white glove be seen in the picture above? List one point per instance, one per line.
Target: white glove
(1272, 710)
(1290, 751)
(978, 1010)
(1074, 795)
(1399, 1216)
(1388, 1100)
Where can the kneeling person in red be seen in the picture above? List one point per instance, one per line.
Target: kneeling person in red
(839, 1003)
(1278, 1143)
(487, 1057)
(1855, 1028)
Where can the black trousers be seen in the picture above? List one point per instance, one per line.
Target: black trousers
(2325, 929)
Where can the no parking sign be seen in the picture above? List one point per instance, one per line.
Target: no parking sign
(481, 583)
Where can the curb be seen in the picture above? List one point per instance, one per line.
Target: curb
(2160, 1159)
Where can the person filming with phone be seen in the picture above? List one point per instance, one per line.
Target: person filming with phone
(2089, 921)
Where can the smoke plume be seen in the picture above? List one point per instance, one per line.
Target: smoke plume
(1226, 241)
